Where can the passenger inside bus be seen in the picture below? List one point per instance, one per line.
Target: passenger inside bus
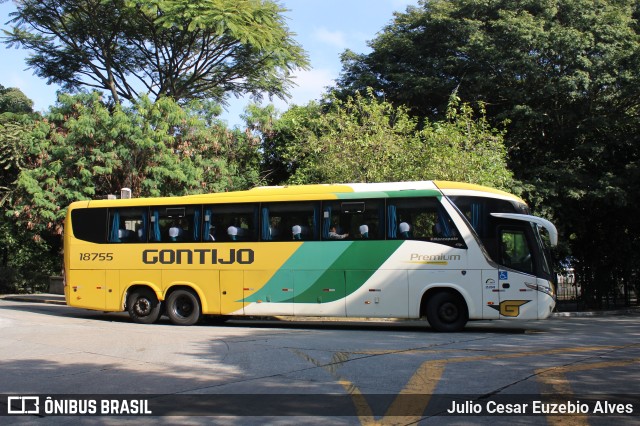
(364, 231)
(296, 230)
(404, 229)
(334, 235)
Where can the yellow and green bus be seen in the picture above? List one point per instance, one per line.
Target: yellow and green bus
(446, 251)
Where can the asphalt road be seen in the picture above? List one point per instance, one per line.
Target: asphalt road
(334, 372)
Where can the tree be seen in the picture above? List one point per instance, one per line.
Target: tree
(24, 263)
(202, 49)
(362, 139)
(83, 150)
(566, 74)
(13, 101)
(16, 118)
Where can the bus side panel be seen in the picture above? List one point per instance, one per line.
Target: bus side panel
(517, 299)
(206, 283)
(113, 296)
(490, 294)
(87, 288)
(232, 292)
(319, 293)
(261, 299)
(382, 294)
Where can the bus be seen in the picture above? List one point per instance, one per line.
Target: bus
(372, 250)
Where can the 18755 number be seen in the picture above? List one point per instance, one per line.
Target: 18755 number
(100, 257)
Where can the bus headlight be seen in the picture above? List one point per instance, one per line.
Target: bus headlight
(545, 288)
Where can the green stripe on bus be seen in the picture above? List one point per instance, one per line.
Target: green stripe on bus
(312, 258)
(319, 271)
(365, 257)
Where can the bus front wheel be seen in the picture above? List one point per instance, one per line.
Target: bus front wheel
(183, 307)
(447, 312)
(143, 306)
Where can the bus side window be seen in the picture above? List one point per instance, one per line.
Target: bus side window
(421, 219)
(176, 224)
(353, 220)
(230, 222)
(297, 221)
(128, 225)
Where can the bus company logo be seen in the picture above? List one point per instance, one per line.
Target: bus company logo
(23, 405)
(198, 257)
(510, 308)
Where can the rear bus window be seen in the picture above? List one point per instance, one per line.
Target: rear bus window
(90, 224)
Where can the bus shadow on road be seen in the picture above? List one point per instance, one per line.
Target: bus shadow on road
(308, 323)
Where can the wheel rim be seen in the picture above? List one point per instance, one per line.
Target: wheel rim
(448, 312)
(142, 307)
(183, 307)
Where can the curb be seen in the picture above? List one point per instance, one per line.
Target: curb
(611, 313)
(51, 299)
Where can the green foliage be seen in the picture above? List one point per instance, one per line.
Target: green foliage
(361, 139)
(201, 49)
(12, 100)
(566, 74)
(25, 264)
(16, 123)
(83, 150)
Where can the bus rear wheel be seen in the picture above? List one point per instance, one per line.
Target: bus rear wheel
(143, 306)
(183, 307)
(447, 312)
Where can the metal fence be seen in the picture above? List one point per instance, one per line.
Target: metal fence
(568, 289)
(569, 295)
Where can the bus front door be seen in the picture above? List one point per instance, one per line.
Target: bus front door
(517, 299)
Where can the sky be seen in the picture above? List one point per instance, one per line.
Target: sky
(324, 28)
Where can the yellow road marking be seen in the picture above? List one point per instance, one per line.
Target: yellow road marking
(428, 375)
(553, 381)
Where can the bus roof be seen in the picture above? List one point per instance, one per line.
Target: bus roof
(314, 192)
(470, 189)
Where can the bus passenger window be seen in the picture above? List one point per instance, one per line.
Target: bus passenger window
(421, 219)
(175, 224)
(353, 220)
(231, 222)
(297, 221)
(128, 225)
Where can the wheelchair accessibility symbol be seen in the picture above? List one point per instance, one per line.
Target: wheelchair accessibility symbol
(504, 275)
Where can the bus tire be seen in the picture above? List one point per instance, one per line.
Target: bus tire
(447, 312)
(143, 306)
(183, 307)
